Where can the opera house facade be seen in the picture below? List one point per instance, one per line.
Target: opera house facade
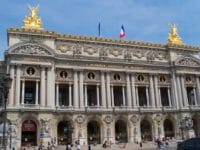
(105, 89)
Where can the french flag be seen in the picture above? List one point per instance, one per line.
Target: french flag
(122, 32)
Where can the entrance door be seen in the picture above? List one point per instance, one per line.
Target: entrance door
(93, 132)
(121, 131)
(63, 136)
(146, 130)
(168, 128)
(29, 133)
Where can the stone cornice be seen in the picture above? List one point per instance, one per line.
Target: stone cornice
(66, 37)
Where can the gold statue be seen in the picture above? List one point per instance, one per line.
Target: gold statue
(173, 37)
(32, 21)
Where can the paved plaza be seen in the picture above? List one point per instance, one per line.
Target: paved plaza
(129, 146)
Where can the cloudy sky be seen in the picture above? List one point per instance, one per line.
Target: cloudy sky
(143, 20)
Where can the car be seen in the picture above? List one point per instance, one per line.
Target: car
(189, 144)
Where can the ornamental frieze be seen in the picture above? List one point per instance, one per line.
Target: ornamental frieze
(115, 52)
(90, 50)
(138, 54)
(65, 48)
(31, 49)
(134, 119)
(187, 61)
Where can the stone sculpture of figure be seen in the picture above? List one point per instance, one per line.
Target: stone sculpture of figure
(33, 21)
(173, 37)
(45, 125)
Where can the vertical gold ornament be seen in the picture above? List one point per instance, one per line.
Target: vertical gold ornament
(173, 37)
(32, 21)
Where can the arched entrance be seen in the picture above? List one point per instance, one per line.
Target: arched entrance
(168, 128)
(196, 126)
(121, 131)
(94, 132)
(146, 130)
(29, 133)
(63, 136)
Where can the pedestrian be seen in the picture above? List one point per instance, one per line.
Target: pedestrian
(141, 145)
(78, 147)
(89, 147)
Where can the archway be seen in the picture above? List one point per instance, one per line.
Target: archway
(29, 133)
(196, 126)
(63, 138)
(168, 128)
(94, 132)
(146, 130)
(121, 131)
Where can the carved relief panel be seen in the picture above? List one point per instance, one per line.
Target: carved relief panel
(30, 71)
(117, 77)
(142, 79)
(164, 80)
(91, 76)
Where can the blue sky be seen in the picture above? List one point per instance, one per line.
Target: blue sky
(143, 20)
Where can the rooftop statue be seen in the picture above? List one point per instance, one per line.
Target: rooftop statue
(32, 21)
(173, 37)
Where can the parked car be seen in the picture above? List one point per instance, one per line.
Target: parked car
(190, 144)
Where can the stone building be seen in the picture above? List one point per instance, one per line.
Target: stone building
(107, 89)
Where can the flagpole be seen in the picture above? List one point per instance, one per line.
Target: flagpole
(99, 29)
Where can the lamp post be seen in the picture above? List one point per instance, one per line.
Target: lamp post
(5, 86)
(68, 130)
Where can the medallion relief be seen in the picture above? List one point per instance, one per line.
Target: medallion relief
(90, 50)
(108, 119)
(80, 119)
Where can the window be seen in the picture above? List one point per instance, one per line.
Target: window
(30, 90)
(91, 75)
(142, 96)
(164, 96)
(30, 71)
(117, 77)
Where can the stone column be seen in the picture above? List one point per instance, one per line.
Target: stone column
(112, 96)
(160, 100)
(23, 89)
(128, 90)
(174, 91)
(81, 89)
(17, 87)
(123, 96)
(198, 90)
(184, 92)
(152, 96)
(86, 95)
(37, 90)
(11, 92)
(57, 94)
(137, 98)
(134, 98)
(158, 103)
(147, 96)
(179, 93)
(75, 94)
(195, 96)
(42, 87)
(103, 90)
(51, 87)
(108, 89)
(169, 97)
(70, 95)
(97, 88)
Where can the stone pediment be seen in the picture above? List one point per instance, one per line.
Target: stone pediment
(188, 61)
(32, 48)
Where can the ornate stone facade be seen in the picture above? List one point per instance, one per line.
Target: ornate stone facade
(107, 89)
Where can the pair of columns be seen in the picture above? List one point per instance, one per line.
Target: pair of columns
(45, 93)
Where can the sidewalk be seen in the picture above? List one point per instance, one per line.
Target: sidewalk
(128, 146)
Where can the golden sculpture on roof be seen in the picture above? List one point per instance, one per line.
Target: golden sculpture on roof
(32, 21)
(173, 37)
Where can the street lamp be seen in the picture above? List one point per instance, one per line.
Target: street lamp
(184, 125)
(5, 86)
(68, 130)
